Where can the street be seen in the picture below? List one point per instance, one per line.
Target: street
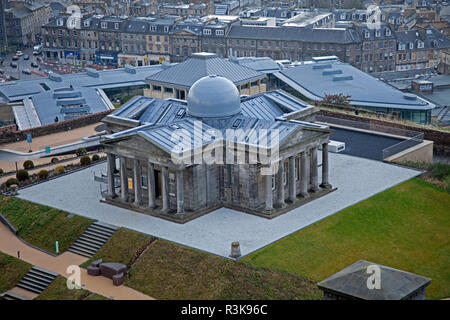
(21, 63)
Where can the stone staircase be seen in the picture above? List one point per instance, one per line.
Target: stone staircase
(93, 239)
(10, 296)
(37, 279)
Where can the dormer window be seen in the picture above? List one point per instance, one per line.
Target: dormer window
(366, 34)
(60, 22)
(207, 32)
(86, 23)
(377, 33)
(343, 16)
(116, 26)
(153, 28)
(401, 46)
(388, 32)
(103, 25)
(420, 45)
(219, 32)
(166, 28)
(411, 45)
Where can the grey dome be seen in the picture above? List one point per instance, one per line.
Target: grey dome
(213, 97)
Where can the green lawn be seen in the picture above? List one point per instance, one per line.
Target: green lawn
(58, 290)
(11, 271)
(406, 227)
(42, 226)
(122, 247)
(170, 271)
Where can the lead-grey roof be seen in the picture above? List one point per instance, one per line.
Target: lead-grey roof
(315, 80)
(326, 35)
(262, 64)
(395, 284)
(21, 89)
(184, 74)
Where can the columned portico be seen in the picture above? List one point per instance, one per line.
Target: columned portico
(280, 184)
(137, 182)
(151, 185)
(303, 175)
(123, 179)
(180, 192)
(111, 181)
(314, 170)
(292, 182)
(165, 189)
(268, 190)
(325, 180)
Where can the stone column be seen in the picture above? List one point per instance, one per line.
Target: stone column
(151, 185)
(165, 189)
(110, 169)
(325, 182)
(314, 170)
(280, 184)
(303, 175)
(268, 191)
(308, 168)
(292, 182)
(180, 192)
(137, 182)
(123, 179)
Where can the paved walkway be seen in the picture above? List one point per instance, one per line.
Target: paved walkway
(10, 244)
(50, 140)
(356, 179)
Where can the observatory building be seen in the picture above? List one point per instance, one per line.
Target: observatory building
(180, 159)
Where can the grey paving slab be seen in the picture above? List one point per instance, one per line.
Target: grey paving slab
(356, 179)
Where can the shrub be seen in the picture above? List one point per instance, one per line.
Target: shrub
(43, 174)
(27, 165)
(60, 169)
(22, 175)
(81, 151)
(440, 170)
(95, 157)
(55, 160)
(85, 160)
(1, 172)
(11, 181)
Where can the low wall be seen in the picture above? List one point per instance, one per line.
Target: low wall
(422, 152)
(441, 139)
(7, 136)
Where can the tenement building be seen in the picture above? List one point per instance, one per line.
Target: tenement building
(180, 159)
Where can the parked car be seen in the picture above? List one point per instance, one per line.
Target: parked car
(34, 64)
(19, 53)
(15, 58)
(26, 57)
(13, 65)
(26, 71)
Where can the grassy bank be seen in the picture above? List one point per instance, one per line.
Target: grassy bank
(42, 226)
(11, 271)
(58, 290)
(405, 227)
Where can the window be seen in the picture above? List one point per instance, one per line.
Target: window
(411, 45)
(153, 28)
(103, 25)
(273, 182)
(388, 32)
(377, 33)
(219, 32)
(420, 45)
(166, 29)
(367, 34)
(156, 88)
(207, 32)
(116, 26)
(144, 180)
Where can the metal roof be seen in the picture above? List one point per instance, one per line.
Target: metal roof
(184, 74)
(395, 284)
(315, 80)
(262, 64)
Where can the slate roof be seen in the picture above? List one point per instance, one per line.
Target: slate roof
(315, 80)
(395, 284)
(184, 74)
(326, 35)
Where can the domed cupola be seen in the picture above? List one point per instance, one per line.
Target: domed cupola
(213, 97)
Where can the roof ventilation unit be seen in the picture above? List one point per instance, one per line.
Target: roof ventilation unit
(331, 72)
(408, 96)
(129, 68)
(54, 77)
(92, 72)
(343, 78)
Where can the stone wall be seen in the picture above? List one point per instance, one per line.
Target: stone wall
(441, 139)
(11, 136)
